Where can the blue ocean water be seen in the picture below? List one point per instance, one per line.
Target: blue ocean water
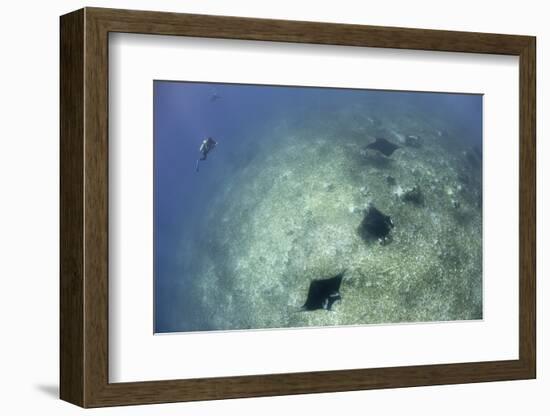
(245, 120)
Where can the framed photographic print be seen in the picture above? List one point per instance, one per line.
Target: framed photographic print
(255, 207)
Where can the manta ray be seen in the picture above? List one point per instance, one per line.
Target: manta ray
(323, 293)
(383, 146)
(376, 224)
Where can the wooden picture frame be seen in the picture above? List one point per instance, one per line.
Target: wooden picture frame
(84, 207)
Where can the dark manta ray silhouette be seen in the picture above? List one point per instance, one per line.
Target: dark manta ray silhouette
(383, 146)
(323, 293)
(375, 223)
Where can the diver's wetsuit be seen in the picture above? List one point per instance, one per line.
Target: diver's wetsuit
(206, 146)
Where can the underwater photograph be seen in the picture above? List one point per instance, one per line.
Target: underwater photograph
(292, 207)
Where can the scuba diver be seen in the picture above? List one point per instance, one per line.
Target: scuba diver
(207, 146)
(215, 97)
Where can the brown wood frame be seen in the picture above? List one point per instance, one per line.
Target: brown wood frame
(84, 207)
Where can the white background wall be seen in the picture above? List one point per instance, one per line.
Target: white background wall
(29, 206)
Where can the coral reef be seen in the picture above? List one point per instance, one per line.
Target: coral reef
(291, 215)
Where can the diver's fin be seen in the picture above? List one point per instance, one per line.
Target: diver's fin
(197, 166)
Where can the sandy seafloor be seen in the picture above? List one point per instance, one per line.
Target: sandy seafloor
(281, 214)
